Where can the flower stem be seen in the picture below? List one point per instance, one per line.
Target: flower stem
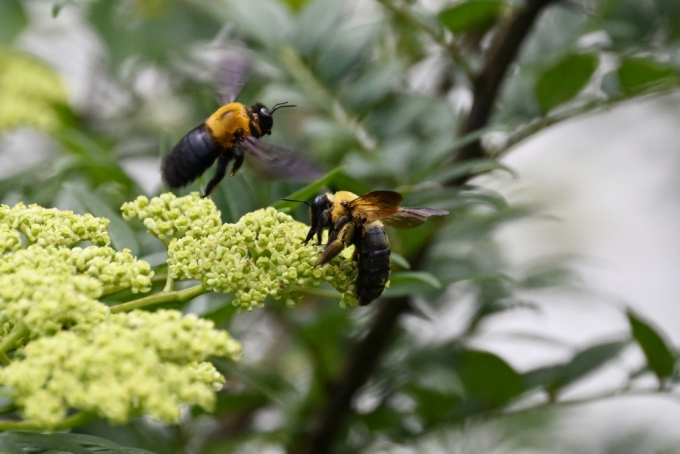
(20, 330)
(79, 419)
(4, 359)
(177, 296)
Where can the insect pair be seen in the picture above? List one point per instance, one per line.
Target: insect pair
(233, 133)
(358, 221)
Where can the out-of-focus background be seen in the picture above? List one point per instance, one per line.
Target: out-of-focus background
(520, 294)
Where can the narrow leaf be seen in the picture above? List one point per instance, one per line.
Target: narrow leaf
(408, 282)
(473, 167)
(659, 355)
(564, 80)
(473, 14)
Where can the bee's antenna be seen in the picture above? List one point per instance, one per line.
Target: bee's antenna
(294, 200)
(279, 106)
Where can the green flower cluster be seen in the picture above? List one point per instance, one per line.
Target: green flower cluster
(132, 364)
(49, 302)
(9, 238)
(261, 255)
(114, 270)
(167, 216)
(52, 227)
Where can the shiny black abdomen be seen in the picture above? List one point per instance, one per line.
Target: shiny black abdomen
(192, 156)
(373, 262)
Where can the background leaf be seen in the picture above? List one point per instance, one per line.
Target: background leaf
(659, 355)
(564, 80)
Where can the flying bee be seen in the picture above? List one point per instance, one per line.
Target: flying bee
(359, 221)
(233, 132)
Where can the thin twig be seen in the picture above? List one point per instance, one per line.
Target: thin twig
(178, 296)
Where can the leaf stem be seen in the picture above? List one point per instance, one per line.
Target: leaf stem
(20, 330)
(4, 359)
(177, 296)
(79, 419)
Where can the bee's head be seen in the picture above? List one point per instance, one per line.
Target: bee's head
(319, 213)
(265, 117)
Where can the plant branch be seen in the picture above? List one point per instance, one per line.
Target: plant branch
(438, 35)
(177, 296)
(502, 52)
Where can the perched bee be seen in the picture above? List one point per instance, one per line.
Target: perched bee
(233, 132)
(359, 221)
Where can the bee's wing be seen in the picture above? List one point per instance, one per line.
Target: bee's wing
(376, 205)
(280, 163)
(235, 70)
(409, 217)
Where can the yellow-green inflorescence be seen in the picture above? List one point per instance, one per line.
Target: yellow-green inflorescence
(75, 353)
(261, 255)
(135, 363)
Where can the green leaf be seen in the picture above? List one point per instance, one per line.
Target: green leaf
(400, 260)
(637, 75)
(409, 282)
(473, 14)
(555, 377)
(26, 442)
(12, 20)
(590, 359)
(564, 80)
(659, 355)
(488, 377)
(309, 191)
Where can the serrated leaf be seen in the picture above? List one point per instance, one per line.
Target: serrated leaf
(659, 355)
(474, 14)
(409, 282)
(637, 75)
(564, 80)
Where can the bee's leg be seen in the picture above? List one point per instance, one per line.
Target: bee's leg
(220, 171)
(238, 160)
(341, 236)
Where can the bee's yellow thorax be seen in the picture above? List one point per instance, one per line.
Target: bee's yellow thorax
(228, 122)
(339, 210)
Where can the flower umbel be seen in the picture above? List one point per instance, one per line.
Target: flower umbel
(134, 363)
(261, 255)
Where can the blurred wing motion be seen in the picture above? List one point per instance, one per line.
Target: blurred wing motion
(410, 217)
(279, 163)
(235, 70)
(376, 205)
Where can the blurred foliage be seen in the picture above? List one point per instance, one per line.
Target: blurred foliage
(378, 88)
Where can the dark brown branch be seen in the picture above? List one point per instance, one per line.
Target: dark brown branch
(361, 361)
(502, 52)
(365, 356)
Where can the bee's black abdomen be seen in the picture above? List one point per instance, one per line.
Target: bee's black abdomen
(192, 156)
(373, 263)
